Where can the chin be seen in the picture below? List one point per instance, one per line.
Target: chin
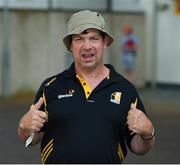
(89, 65)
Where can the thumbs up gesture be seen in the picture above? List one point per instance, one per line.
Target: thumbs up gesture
(138, 122)
(34, 119)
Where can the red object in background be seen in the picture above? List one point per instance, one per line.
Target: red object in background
(130, 43)
(127, 29)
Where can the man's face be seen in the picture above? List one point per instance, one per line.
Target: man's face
(88, 48)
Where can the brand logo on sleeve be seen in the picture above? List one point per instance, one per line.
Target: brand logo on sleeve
(70, 94)
(116, 97)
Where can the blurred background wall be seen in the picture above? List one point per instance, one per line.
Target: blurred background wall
(31, 33)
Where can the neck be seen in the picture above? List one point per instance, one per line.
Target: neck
(93, 73)
(95, 76)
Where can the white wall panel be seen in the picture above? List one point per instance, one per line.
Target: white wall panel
(168, 48)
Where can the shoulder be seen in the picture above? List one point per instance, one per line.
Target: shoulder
(135, 38)
(53, 79)
(116, 76)
(120, 80)
(48, 83)
(60, 77)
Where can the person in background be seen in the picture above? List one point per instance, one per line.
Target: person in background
(129, 44)
(88, 113)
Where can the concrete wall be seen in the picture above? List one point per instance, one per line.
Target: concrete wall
(37, 51)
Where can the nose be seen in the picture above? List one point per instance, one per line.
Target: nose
(87, 45)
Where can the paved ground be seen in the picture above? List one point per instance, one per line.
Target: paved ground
(162, 107)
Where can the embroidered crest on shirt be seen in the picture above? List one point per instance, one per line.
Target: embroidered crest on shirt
(116, 97)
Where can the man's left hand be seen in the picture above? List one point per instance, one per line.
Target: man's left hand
(138, 122)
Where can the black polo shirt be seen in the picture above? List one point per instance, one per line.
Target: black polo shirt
(86, 128)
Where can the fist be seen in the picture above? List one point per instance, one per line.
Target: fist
(138, 122)
(34, 119)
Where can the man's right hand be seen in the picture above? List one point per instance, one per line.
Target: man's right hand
(34, 119)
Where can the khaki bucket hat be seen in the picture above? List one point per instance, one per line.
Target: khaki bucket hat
(84, 20)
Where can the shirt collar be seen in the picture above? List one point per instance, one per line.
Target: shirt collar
(113, 77)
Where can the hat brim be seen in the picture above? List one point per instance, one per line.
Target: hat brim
(80, 29)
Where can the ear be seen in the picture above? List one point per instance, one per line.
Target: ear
(70, 47)
(106, 41)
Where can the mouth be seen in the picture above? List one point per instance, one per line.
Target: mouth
(87, 56)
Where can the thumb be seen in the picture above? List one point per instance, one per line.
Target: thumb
(39, 103)
(133, 105)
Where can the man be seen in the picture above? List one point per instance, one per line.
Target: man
(87, 113)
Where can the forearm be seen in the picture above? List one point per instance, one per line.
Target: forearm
(141, 146)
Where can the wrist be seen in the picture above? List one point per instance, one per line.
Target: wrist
(146, 138)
